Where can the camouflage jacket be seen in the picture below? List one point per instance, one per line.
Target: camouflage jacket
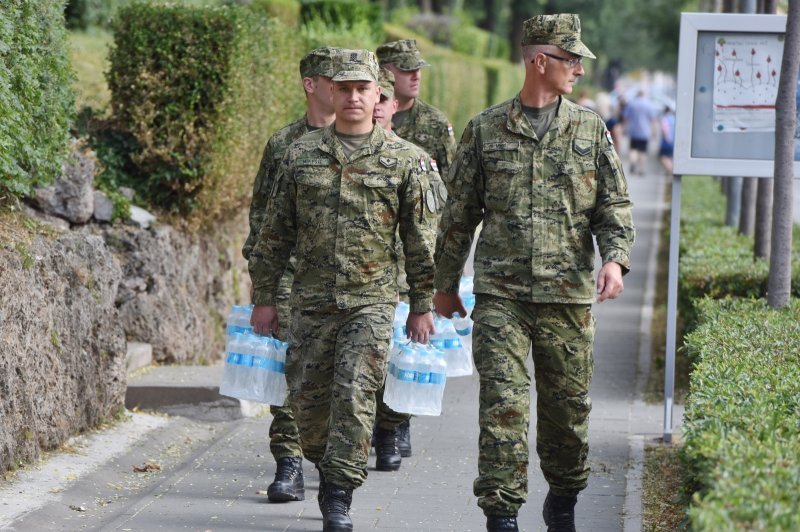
(270, 161)
(540, 203)
(428, 128)
(341, 216)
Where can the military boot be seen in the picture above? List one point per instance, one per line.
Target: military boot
(288, 484)
(321, 491)
(386, 451)
(559, 513)
(336, 509)
(501, 523)
(404, 438)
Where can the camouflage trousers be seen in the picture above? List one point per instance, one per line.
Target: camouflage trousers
(560, 338)
(284, 438)
(336, 362)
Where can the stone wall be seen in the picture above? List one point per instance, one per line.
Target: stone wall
(71, 298)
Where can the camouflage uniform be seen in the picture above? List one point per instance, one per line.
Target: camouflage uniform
(284, 438)
(541, 201)
(427, 127)
(342, 215)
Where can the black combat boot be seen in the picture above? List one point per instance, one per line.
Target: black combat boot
(336, 509)
(404, 438)
(386, 452)
(321, 491)
(559, 513)
(288, 484)
(501, 523)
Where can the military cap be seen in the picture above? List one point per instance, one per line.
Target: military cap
(356, 65)
(402, 54)
(386, 81)
(562, 30)
(319, 62)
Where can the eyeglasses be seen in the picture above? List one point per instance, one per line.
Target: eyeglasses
(572, 62)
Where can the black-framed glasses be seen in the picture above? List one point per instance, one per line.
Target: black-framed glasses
(572, 62)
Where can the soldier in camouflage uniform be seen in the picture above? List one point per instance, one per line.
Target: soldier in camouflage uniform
(541, 173)
(339, 199)
(316, 70)
(428, 128)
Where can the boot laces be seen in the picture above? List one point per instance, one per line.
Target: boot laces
(287, 470)
(337, 502)
(386, 443)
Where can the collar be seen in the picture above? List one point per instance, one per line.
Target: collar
(332, 146)
(519, 124)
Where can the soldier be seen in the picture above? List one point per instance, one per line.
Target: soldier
(428, 128)
(316, 70)
(541, 173)
(340, 197)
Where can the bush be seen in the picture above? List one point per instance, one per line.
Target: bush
(716, 261)
(287, 11)
(36, 99)
(345, 14)
(200, 90)
(742, 421)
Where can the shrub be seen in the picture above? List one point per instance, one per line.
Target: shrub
(36, 99)
(345, 14)
(287, 11)
(200, 90)
(81, 14)
(742, 421)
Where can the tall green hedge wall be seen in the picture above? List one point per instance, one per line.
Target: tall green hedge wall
(36, 98)
(201, 89)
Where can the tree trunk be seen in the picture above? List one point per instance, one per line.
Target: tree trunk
(747, 215)
(763, 218)
(518, 16)
(489, 22)
(780, 264)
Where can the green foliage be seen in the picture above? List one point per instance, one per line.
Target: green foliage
(199, 90)
(287, 11)
(88, 53)
(716, 261)
(36, 99)
(82, 14)
(742, 422)
(356, 35)
(345, 14)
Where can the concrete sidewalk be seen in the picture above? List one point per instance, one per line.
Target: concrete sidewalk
(214, 471)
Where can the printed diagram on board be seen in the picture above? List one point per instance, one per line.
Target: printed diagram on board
(746, 74)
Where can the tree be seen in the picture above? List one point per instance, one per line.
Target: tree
(780, 264)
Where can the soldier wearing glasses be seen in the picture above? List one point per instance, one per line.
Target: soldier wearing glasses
(542, 175)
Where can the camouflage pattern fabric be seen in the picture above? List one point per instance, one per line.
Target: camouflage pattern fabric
(336, 361)
(341, 217)
(561, 337)
(403, 54)
(563, 30)
(540, 203)
(428, 128)
(284, 439)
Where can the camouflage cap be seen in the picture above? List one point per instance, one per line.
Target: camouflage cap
(356, 65)
(319, 62)
(386, 81)
(402, 54)
(562, 30)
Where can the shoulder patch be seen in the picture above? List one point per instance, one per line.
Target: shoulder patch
(609, 138)
(434, 166)
(388, 162)
(450, 129)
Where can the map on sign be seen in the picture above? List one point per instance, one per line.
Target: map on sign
(746, 74)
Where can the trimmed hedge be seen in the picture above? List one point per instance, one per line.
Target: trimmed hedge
(36, 98)
(742, 421)
(345, 14)
(200, 90)
(716, 261)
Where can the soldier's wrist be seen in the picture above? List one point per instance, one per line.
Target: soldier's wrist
(420, 305)
(261, 297)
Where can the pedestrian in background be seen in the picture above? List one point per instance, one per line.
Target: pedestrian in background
(541, 173)
(667, 147)
(341, 195)
(640, 122)
(316, 71)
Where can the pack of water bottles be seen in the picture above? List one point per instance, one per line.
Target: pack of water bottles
(449, 338)
(416, 379)
(255, 366)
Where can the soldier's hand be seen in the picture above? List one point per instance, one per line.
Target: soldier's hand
(420, 327)
(265, 320)
(446, 304)
(609, 281)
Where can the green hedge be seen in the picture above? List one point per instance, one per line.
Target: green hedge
(716, 261)
(742, 422)
(36, 98)
(200, 90)
(344, 14)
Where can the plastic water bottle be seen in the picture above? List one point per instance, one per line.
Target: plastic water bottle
(438, 381)
(279, 388)
(399, 384)
(422, 397)
(231, 376)
(463, 326)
